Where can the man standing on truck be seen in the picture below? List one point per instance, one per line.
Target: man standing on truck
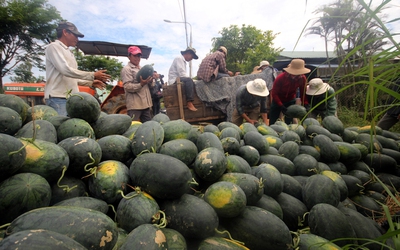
(213, 66)
(178, 69)
(138, 96)
(62, 74)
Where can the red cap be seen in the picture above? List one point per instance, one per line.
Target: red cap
(134, 50)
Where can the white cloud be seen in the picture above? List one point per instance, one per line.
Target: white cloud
(141, 22)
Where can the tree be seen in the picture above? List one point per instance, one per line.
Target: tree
(24, 73)
(26, 26)
(94, 63)
(347, 24)
(247, 47)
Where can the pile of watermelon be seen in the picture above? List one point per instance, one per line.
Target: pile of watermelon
(100, 181)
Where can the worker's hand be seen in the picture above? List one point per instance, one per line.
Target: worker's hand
(146, 81)
(101, 75)
(237, 73)
(284, 110)
(230, 73)
(252, 121)
(98, 84)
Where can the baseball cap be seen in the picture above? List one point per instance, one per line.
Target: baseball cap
(134, 50)
(71, 27)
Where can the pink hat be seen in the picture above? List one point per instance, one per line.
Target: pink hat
(134, 50)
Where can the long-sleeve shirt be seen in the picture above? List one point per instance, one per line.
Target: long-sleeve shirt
(211, 65)
(245, 99)
(62, 74)
(177, 69)
(138, 97)
(285, 87)
(328, 107)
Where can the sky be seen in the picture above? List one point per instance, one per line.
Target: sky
(141, 22)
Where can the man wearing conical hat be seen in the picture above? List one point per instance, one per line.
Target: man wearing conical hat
(285, 87)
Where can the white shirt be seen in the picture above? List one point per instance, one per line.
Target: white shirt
(62, 75)
(177, 69)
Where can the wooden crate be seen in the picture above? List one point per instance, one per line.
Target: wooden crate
(175, 105)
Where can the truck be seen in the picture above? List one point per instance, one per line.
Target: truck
(214, 100)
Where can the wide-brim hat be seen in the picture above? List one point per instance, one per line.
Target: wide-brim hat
(257, 87)
(256, 70)
(191, 50)
(263, 63)
(71, 27)
(316, 87)
(223, 50)
(297, 67)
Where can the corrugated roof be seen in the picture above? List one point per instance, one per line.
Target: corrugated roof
(305, 54)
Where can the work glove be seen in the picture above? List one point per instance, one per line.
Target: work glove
(283, 109)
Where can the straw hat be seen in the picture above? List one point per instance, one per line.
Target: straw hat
(263, 63)
(257, 87)
(316, 87)
(296, 67)
(223, 49)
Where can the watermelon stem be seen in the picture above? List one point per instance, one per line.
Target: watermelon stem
(193, 182)
(161, 219)
(66, 188)
(229, 235)
(127, 197)
(19, 150)
(91, 170)
(5, 225)
(115, 212)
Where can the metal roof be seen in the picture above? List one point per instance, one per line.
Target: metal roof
(305, 54)
(110, 49)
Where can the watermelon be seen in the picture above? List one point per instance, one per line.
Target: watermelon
(145, 72)
(145, 236)
(84, 106)
(220, 243)
(250, 184)
(257, 140)
(148, 138)
(236, 164)
(175, 239)
(75, 127)
(250, 154)
(249, 228)
(270, 177)
(293, 211)
(16, 103)
(12, 155)
(208, 139)
(230, 132)
(135, 209)
(210, 164)
(66, 188)
(40, 112)
(296, 111)
(270, 204)
(91, 228)
(162, 176)
(40, 239)
(10, 121)
(21, 193)
(40, 129)
(105, 125)
(328, 150)
(333, 125)
(84, 153)
(45, 158)
(191, 216)
(230, 145)
(227, 198)
(289, 150)
(182, 149)
(309, 241)
(85, 202)
(320, 189)
(115, 147)
(109, 182)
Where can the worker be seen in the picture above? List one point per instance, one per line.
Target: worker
(213, 66)
(178, 69)
(62, 74)
(285, 88)
(251, 102)
(318, 91)
(138, 97)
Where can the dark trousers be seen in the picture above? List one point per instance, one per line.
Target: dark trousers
(387, 121)
(275, 111)
(142, 115)
(156, 106)
(188, 84)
